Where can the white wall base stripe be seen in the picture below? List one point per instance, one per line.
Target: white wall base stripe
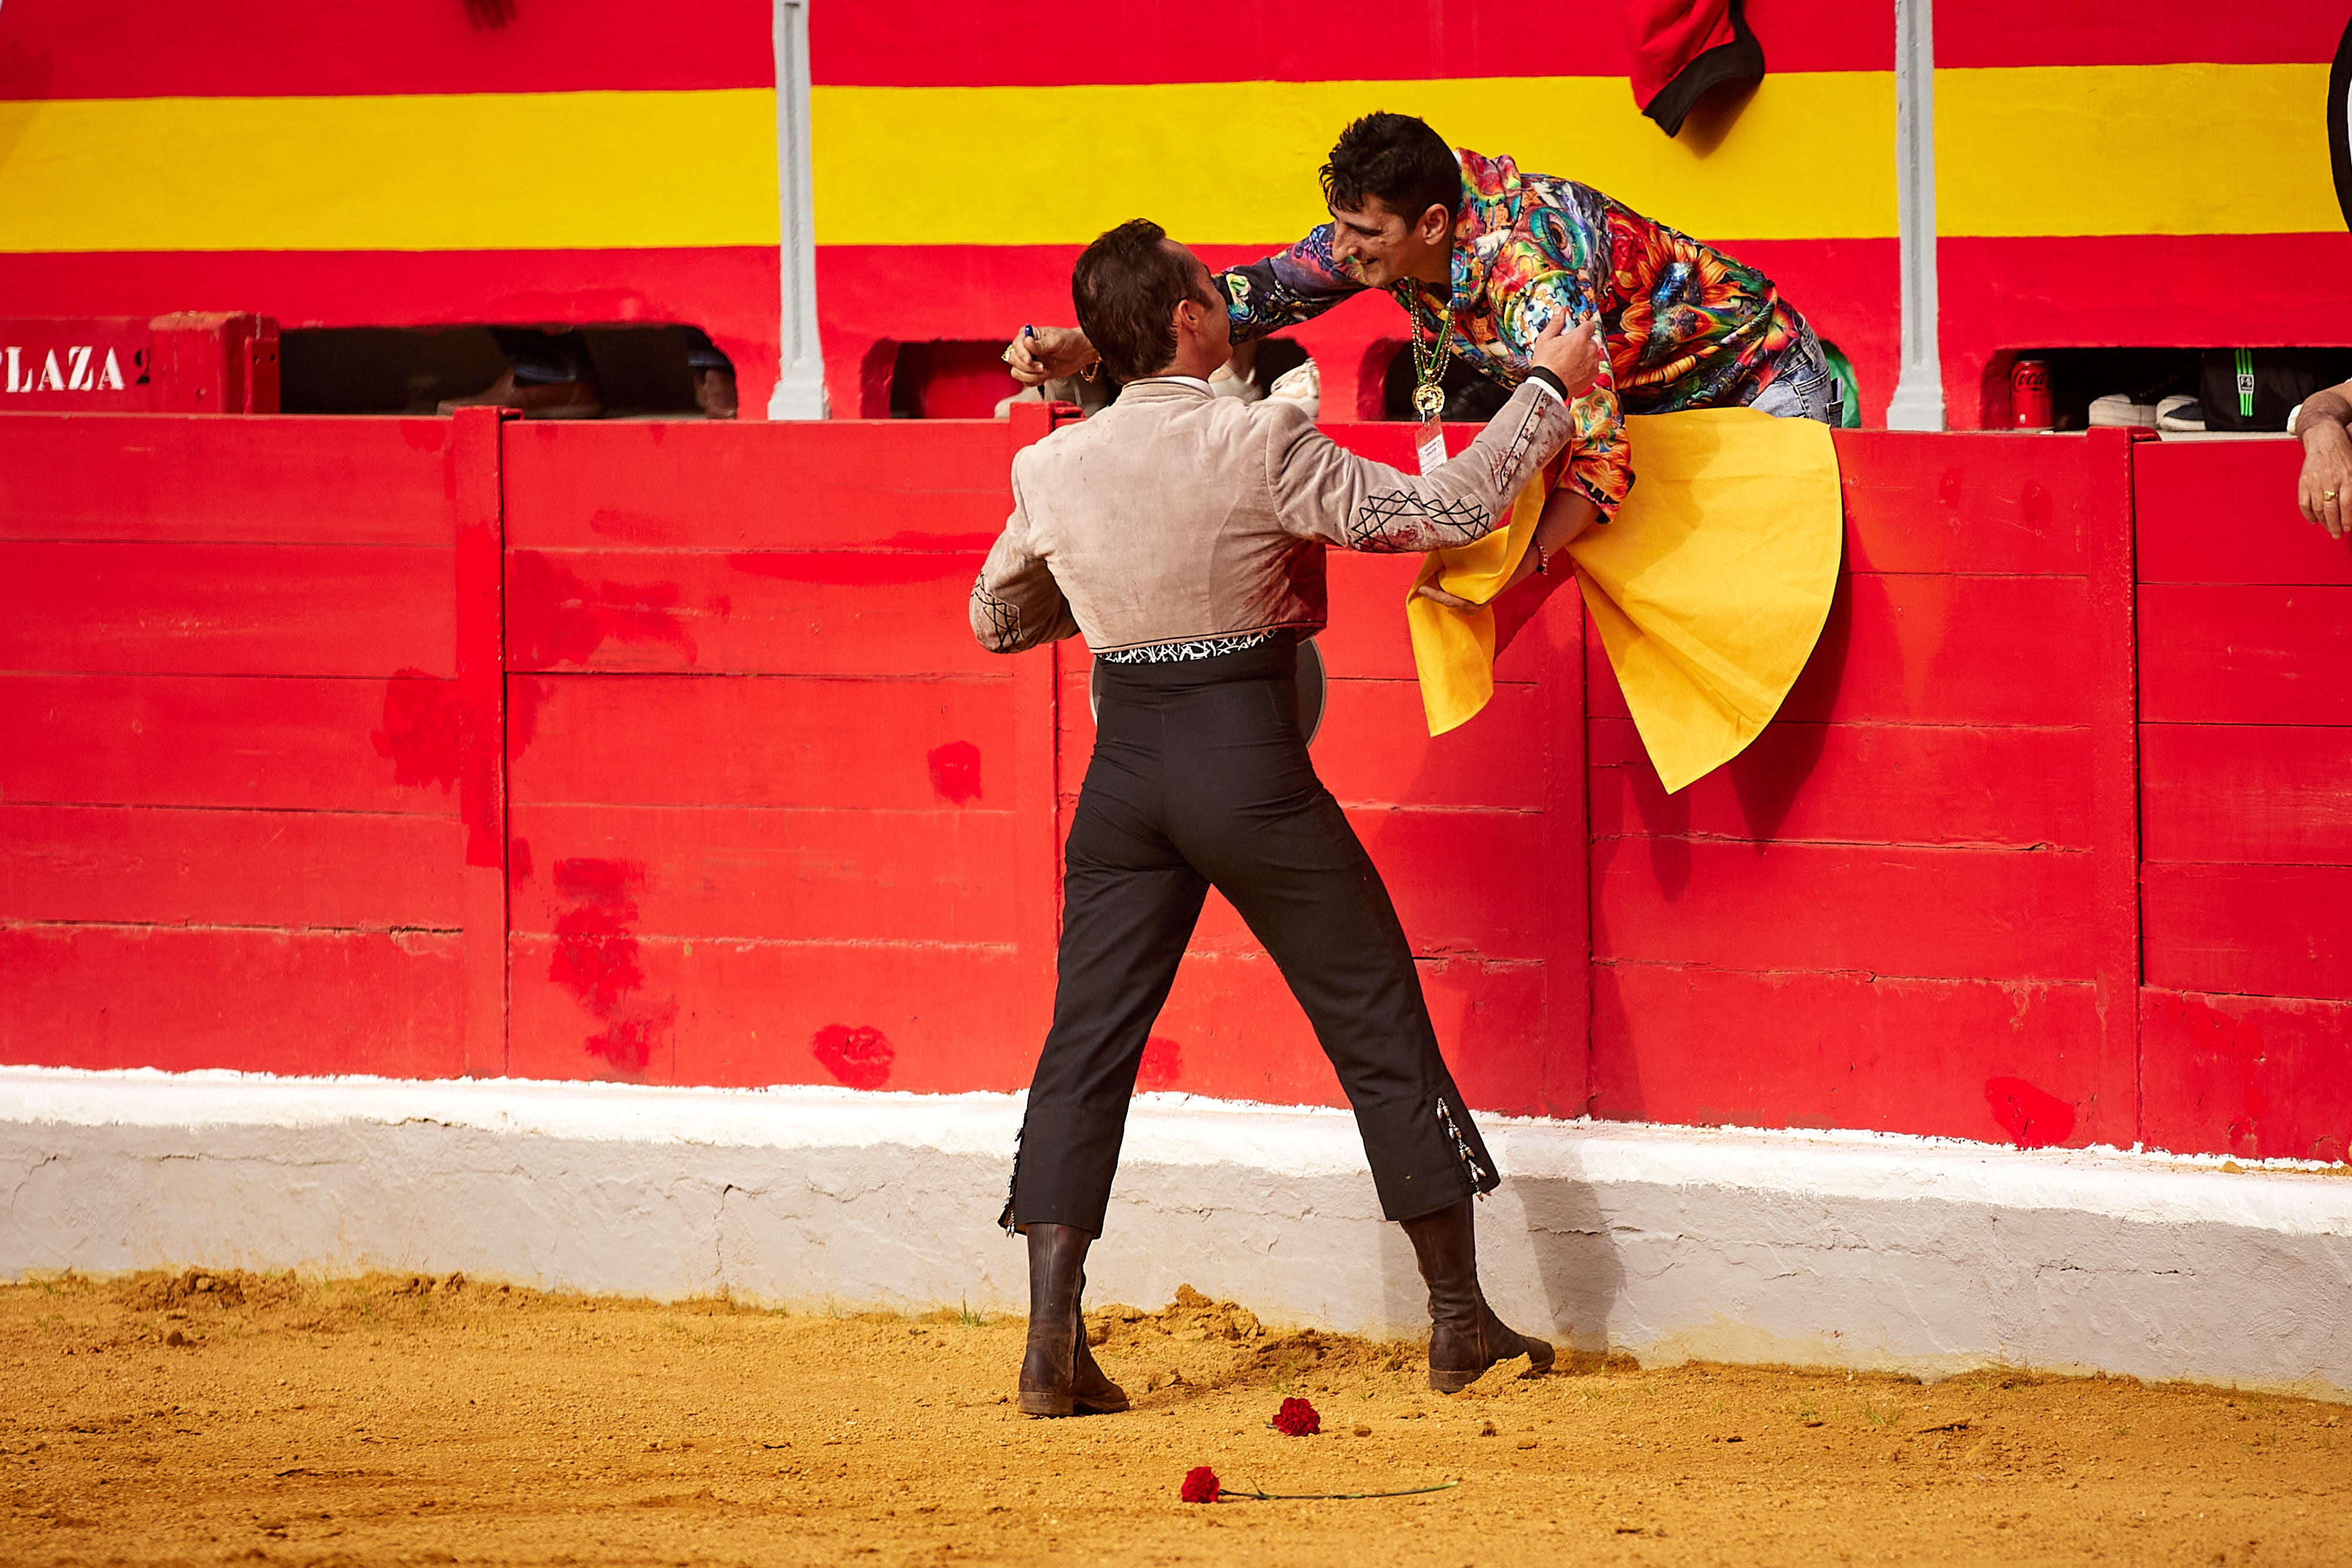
(1853, 1250)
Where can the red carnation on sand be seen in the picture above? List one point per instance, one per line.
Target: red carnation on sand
(1297, 1418)
(1200, 1484)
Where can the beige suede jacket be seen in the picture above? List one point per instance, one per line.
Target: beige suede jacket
(1176, 517)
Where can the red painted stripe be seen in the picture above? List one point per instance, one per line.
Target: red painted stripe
(1030, 42)
(764, 612)
(943, 1020)
(1935, 650)
(2221, 654)
(2265, 930)
(2255, 1076)
(226, 610)
(2165, 32)
(1932, 503)
(1961, 914)
(257, 1001)
(730, 292)
(2224, 511)
(716, 741)
(873, 297)
(1852, 783)
(1999, 297)
(284, 743)
(196, 478)
(149, 865)
(945, 874)
(912, 486)
(1691, 1044)
(153, 49)
(2263, 793)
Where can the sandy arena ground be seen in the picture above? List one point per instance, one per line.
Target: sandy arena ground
(236, 1419)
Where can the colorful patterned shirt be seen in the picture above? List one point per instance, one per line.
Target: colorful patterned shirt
(1685, 325)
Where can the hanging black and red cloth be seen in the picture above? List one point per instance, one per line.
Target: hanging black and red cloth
(1682, 47)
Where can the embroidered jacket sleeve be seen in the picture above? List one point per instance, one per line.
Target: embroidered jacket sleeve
(1602, 465)
(1282, 290)
(1323, 491)
(1016, 604)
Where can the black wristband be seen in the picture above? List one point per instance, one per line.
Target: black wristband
(1551, 381)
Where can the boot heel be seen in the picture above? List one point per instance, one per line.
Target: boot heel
(1047, 1405)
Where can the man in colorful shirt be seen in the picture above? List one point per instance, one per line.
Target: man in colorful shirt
(1482, 255)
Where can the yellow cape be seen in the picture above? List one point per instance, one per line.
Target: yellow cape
(1709, 588)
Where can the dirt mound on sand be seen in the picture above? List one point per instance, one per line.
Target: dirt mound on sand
(156, 1292)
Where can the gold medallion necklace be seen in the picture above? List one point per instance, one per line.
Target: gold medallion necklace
(1428, 365)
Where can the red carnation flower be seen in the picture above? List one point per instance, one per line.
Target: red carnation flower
(1201, 1485)
(1297, 1418)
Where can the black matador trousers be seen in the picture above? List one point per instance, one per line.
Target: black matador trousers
(1201, 778)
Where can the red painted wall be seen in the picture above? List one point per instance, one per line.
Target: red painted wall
(661, 752)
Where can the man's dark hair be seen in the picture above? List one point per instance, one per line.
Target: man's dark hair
(1127, 286)
(1398, 159)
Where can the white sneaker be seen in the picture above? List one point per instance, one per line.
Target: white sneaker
(2117, 411)
(2180, 412)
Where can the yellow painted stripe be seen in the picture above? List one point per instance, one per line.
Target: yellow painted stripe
(2134, 149)
(1235, 162)
(446, 172)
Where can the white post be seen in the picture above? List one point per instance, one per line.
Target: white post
(1918, 402)
(799, 372)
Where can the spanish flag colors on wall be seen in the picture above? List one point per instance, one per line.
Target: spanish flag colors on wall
(2156, 180)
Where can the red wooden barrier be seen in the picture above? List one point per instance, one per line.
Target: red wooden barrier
(662, 752)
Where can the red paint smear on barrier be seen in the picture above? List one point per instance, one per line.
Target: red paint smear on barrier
(557, 616)
(853, 568)
(519, 860)
(2033, 1118)
(523, 697)
(860, 1058)
(955, 771)
(1164, 1061)
(596, 960)
(968, 543)
(420, 729)
(2235, 1039)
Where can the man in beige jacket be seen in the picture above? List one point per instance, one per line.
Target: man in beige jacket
(1183, 535)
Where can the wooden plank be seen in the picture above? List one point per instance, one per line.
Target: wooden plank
(253, 1001)
(226, 609)
(759, 741)
(2227, 654)
(947, 874)
(278, 742)
(1375, 748)
(849, 613)
(2224, 512)
(1962, 913)
(1859, 783)
(2258, 1077)
(1708, 1046)
(2266, 794)
(1233, 1031)
(164, 865)
(1466, 882)
(480, 699)
(1919, 502)
(2114, 780)
(2263, 930)
(1934, 650)
(785, 484)
(157, 478)
(924, 1018)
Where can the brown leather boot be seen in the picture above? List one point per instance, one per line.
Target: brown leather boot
(1058, 1375)
(1466, 1337)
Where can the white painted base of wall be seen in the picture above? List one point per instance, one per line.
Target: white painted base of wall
(1853, 1250)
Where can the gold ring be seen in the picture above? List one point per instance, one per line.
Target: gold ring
(2327, 494)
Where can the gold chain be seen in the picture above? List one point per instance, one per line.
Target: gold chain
(1428, 365)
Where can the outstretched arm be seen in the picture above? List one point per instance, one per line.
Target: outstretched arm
(2324, 489)
(1016, 603)
(1294, 285)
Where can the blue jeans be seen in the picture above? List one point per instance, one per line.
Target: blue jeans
(1806, 387)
